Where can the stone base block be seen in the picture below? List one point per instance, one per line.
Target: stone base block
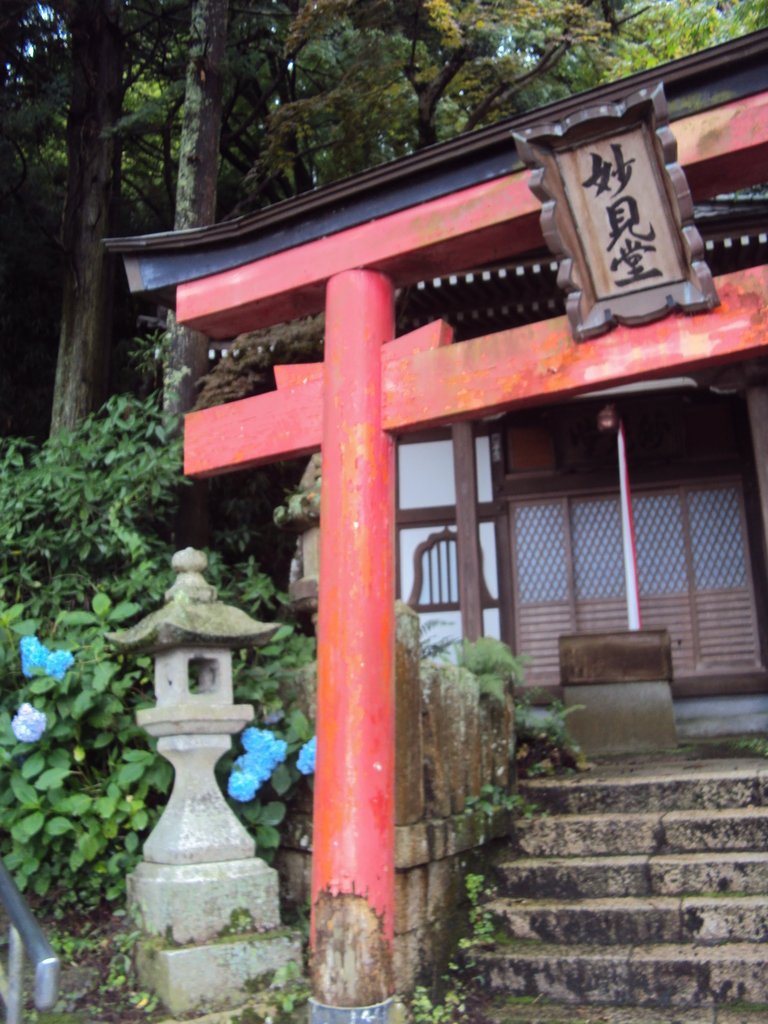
(194, 903)
(197, 979)
(637, 656)
(621, 718)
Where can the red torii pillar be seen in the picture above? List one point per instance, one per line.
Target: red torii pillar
(370, 388)
(352, 865)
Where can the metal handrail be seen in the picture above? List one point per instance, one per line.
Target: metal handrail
(25, 936)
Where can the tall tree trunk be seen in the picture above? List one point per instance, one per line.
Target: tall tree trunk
(83, 360)
(196, 207)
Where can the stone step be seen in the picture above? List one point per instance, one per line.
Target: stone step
(741, 871)
(689, 786)
(664, 975)
(575, 877)
(579, 835)
(629, 920)
(661, 875)
(537, 1011)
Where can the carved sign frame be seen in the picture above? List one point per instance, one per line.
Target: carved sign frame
(618, 213)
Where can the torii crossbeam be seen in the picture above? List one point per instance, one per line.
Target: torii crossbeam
(372, 387)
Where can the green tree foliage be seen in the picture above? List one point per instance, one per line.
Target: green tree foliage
(33, 90)
(312, 92)
(416, 72)
(659, 31)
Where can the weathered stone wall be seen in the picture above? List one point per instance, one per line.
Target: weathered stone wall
(451, 741)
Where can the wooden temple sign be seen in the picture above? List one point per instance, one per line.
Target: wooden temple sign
(618, 212)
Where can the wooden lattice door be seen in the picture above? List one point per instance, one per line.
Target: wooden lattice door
(693, 569)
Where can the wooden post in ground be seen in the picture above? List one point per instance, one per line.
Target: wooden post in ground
(470, 568)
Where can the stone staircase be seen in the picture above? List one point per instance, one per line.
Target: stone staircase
(641, 897)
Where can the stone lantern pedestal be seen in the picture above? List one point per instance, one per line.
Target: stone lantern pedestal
(207, 905)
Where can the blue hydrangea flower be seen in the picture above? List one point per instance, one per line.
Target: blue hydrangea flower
(36, 655)
(307, 756)
(242, 786)
(258, 771)
(58, 662)
(33, 655)
(265, 746)
(263, 753)
(28, 724)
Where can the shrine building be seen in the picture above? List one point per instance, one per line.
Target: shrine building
(458, 412)
(541, 479)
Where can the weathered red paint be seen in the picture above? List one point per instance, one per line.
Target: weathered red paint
(277, 425)
(423, 339)
(721, 148)
(540, 361)
(487, 223)
(528, 364)
(413, 243)
(353, 846)
(283, 423)
(293, 375)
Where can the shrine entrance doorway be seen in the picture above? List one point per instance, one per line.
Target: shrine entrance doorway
(693, 563)
(550, 536)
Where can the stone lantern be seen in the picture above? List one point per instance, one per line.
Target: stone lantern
(301, 515)
(200, 887)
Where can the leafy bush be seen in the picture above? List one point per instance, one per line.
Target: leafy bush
(87, 523)
(90, 505)
(84, 793)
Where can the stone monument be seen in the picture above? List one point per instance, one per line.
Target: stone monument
(207, 905)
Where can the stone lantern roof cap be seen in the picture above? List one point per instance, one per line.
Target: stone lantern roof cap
(192, 615)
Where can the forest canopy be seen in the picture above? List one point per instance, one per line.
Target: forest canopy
(94, 102)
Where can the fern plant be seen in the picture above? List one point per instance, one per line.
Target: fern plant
(493, 664)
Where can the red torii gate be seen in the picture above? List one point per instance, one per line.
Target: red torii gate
(372, 386)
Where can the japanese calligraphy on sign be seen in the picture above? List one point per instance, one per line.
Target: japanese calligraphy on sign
(618, 212)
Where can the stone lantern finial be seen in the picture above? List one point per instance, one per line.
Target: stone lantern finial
(189, 566)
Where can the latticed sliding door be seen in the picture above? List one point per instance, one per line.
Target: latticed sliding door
(543, 598)
(693, 571)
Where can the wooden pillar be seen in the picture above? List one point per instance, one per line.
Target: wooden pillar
(757, 406)
(466, 527)
(353, 846)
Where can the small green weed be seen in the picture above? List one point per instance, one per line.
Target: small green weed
(754, 744)
(493, 664)
(493, 799)
(452, 1009)
(544, 745)
(480, 920)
